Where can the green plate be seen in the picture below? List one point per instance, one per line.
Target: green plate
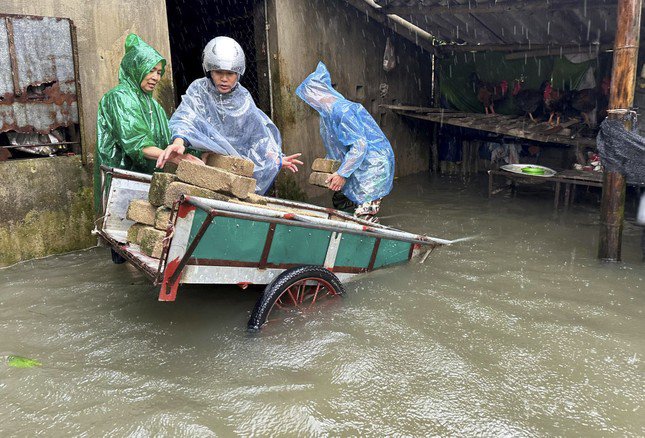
(533, 170)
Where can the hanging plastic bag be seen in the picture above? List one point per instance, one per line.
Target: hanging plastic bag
(389, 57)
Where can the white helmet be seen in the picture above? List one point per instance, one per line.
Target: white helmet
(223, 53)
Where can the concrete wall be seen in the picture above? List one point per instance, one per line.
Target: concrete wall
(46, 208)
(352, 48)
(46, 203)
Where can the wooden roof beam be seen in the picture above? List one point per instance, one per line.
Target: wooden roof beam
(498, 7)
(554, 48)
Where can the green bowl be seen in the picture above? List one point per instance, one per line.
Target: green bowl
(533, 170)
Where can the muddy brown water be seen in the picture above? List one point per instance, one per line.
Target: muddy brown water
(519, 332)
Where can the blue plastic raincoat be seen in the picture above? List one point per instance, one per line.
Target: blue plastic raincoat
(229, 124)
(351, 135)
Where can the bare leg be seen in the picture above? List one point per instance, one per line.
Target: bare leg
(532, 118)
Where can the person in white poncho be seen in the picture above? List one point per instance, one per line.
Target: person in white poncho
(217, 114)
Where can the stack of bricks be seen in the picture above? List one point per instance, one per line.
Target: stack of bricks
(322, 170)
(224, 178)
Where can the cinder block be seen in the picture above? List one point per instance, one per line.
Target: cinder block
(318, 179)
(241, 186)
(133, 233)
(170, 167)
(237, 165)
(215, 179)
(324, 165)
(142, 212)
(151, 242)
(162, 218)
(176, 189)
(158, 186)
(256, 199)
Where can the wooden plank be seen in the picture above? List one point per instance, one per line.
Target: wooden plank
(500, 124)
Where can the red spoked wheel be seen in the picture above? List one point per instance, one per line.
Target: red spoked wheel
(295, 289)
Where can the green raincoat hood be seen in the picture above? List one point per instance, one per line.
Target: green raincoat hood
(137, 62)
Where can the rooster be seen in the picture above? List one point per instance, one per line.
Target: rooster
(554, 102)
(588, 99)
(488, 93)
(529, 101)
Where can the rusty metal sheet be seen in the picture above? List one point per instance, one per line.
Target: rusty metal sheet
(37, 82)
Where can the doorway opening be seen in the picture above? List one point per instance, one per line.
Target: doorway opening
(193, 23)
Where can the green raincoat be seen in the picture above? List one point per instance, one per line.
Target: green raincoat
(129, 119)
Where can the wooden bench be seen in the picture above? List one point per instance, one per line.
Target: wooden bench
(568, 178)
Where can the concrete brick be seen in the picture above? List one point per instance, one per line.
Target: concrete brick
(133, 233)
(142, 212)
(176, 189)
(256, 199)
(151, 242)
(237, 165)
(170, 167)
(241, 186)
(318, 179)
(162, 218)
(158, 186)
(215, 179)
(324, 165)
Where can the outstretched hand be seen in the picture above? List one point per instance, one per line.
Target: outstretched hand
(290, 162)
(335, 182)
(173, 151)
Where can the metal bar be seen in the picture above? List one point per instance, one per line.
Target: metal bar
(79, 95)
(193, 245)
(267, 247)
(38, 145)
(127, 255)
(291, 222)
(623, 83)
(126, 174)
(237, 264)
(338, 226)
(370, 266)
(13, 57)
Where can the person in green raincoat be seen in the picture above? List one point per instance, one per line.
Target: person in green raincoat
(132, 128)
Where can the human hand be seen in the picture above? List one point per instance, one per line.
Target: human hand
(174, 150)
(290, 162)
(335, 182)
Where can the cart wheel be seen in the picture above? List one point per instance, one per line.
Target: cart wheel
(295, 289)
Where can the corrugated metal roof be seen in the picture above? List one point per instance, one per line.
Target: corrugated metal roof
(511, 22)
(37, 79)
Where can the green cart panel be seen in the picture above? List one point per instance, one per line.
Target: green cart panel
(229, 239)
(392, 251)
(296, 245)
(355, 251)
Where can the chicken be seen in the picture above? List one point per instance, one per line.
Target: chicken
(488, 93)
(529, 101)
(554, 102)
(588, 99)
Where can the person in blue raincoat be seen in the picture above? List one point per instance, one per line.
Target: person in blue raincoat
(350, 135)
(217, 114)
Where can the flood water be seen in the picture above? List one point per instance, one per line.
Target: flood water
(518, 332)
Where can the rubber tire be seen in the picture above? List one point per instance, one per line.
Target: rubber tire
(281, 283)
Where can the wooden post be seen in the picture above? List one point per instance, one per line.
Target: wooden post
(623, 80)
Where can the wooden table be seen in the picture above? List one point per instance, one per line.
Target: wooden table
(568, 178)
